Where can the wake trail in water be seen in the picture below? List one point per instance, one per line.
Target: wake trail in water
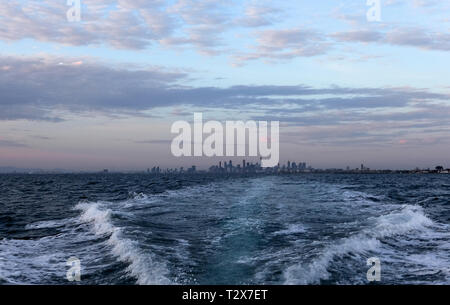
(142, 265)
(397, 223)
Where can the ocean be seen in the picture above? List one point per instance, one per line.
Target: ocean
(210, 229)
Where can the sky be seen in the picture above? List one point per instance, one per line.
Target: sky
(103, 92)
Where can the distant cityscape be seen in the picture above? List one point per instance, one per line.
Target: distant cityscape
(227, 167)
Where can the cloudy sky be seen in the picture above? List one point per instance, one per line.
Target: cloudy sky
(104, 91)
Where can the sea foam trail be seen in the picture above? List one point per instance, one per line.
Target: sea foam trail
(409, 218)
(142, 266)
(292, 229)
(48, 224)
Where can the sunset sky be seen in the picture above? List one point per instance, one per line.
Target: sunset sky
(104, 91)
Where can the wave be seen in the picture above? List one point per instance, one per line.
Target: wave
(142, 266)
(292, 229)
(399, 222)
(352, 195)
(48, 224)
(27, 261)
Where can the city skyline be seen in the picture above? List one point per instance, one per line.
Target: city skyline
(247, 166)
(103, 91)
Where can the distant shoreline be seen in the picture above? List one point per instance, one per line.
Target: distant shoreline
(337, 172)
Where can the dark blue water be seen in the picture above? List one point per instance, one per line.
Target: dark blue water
(203, 229)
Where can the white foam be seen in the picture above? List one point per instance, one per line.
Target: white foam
(48, 224)
(138, 196)
(301, 274)
(29, 261)
(142, 265)
(399, 222)
(358, 196)
(409, 218)
(292, 229)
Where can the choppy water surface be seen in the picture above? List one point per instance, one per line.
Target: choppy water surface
(296, 229)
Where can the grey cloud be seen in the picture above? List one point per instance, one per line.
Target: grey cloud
(360, 36)
(34, 88)
(347, 128)
(10, 143)
(12, 110)
(412, 37)
(419, 38)
(430, 115)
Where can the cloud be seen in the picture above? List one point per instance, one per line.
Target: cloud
(205, 26)
(419, 38)
(10, 143)
(135, 24)
(49, 88)
(49, 84)
(413, 3)
(273, 45)
(208, 12)
(257, 15)
(409, 37)
(205, 38)
(422, 3)
(358, 36)
(286, 44)
(122, 24)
